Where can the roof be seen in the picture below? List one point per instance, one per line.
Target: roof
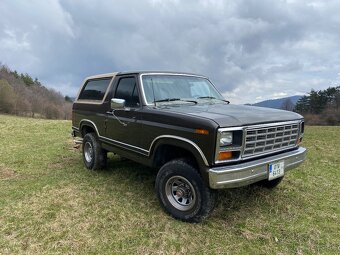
(141, 72)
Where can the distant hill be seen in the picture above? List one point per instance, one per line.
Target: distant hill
(276, 103)
(22, 95)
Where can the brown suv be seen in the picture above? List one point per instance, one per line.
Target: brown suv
(180, 124)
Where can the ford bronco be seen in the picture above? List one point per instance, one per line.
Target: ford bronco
(180, 124)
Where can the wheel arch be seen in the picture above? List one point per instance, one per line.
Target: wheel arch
(87, 126)
(178, 147)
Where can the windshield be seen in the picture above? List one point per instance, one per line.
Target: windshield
(167, 88)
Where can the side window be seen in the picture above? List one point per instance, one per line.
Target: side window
(127, 89)
(95, 89)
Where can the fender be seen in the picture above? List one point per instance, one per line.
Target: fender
(180, 142)
(86, 122)
(185, 144)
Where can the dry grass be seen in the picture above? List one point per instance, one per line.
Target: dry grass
(50, 204)
(6, 173)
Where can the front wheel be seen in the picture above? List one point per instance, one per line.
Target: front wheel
(182, 192)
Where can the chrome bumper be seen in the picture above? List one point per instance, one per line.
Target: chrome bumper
(253, 171)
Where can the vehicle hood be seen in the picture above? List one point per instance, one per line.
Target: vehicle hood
(229, 115)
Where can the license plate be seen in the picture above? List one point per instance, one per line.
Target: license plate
(276, 170)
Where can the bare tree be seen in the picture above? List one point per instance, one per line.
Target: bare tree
(7, 97)
(18, 95)
(287, 105)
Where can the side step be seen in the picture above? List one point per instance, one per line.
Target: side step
(76, 140)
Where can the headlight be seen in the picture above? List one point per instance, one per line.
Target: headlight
(302, 130)
(228, 144)
(226, 138)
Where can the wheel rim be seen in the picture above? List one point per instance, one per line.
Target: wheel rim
(88, 152)
(180, 193)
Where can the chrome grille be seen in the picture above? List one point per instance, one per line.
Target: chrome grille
(267, 139)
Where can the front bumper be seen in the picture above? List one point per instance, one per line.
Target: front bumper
(253, 171)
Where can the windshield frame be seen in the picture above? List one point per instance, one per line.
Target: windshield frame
(169, 74)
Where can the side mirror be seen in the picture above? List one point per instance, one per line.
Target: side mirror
(117, 103)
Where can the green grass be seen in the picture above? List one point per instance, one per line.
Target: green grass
(50, 204)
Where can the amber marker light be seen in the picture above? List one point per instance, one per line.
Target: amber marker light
(201, 131)
(223, 155)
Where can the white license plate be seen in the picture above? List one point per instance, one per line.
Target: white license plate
(276, 170)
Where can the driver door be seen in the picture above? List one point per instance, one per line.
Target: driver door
(123, 126)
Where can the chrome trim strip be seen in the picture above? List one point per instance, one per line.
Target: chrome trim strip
(184, 140)
(121, 144)
(273, 124)
(229, 129)
(148, 152)
(91, 123)
(75, 128)
(111, 75)
(118, 143)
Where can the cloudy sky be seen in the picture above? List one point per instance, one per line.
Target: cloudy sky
(252, 50)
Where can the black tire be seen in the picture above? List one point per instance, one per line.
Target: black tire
(182, 192)
(93, 155)
(270, 184)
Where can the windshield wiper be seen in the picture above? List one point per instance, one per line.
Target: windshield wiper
(207, 97)
(166, 100)
(174, 99)
(210, 97)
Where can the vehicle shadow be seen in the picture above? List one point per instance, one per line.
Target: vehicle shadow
(129, 170)
(236, 205)
(236, 202)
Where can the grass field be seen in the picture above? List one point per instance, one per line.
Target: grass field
(50, 204)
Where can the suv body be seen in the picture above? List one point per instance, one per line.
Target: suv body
(181, 124)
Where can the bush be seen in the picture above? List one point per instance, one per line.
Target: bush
(330, 116)
(7, 97)
(21, 95)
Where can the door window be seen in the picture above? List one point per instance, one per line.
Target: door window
(127, 89)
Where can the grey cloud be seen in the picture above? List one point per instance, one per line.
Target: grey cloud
(250, 49)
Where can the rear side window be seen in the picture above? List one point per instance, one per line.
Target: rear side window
(95, 89)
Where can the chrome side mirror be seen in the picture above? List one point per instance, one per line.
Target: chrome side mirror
(117, 103)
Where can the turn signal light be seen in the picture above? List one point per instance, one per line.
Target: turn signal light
(300, 140)
(201, 131)
(223, 155)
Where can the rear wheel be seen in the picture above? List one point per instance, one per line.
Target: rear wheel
(182, 192)
(93, 155)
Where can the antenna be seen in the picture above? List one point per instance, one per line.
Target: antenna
(153, 91)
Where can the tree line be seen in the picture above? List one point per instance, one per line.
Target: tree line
(320, 107)
(22, 95)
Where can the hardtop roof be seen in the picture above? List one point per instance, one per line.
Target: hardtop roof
(140, 72)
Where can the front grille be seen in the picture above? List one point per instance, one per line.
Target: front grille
(264, 140)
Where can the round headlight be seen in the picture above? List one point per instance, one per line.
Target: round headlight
(226, 138)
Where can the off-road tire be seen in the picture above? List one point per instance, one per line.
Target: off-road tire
(203, 198)
(93, 155)
(270, 184)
